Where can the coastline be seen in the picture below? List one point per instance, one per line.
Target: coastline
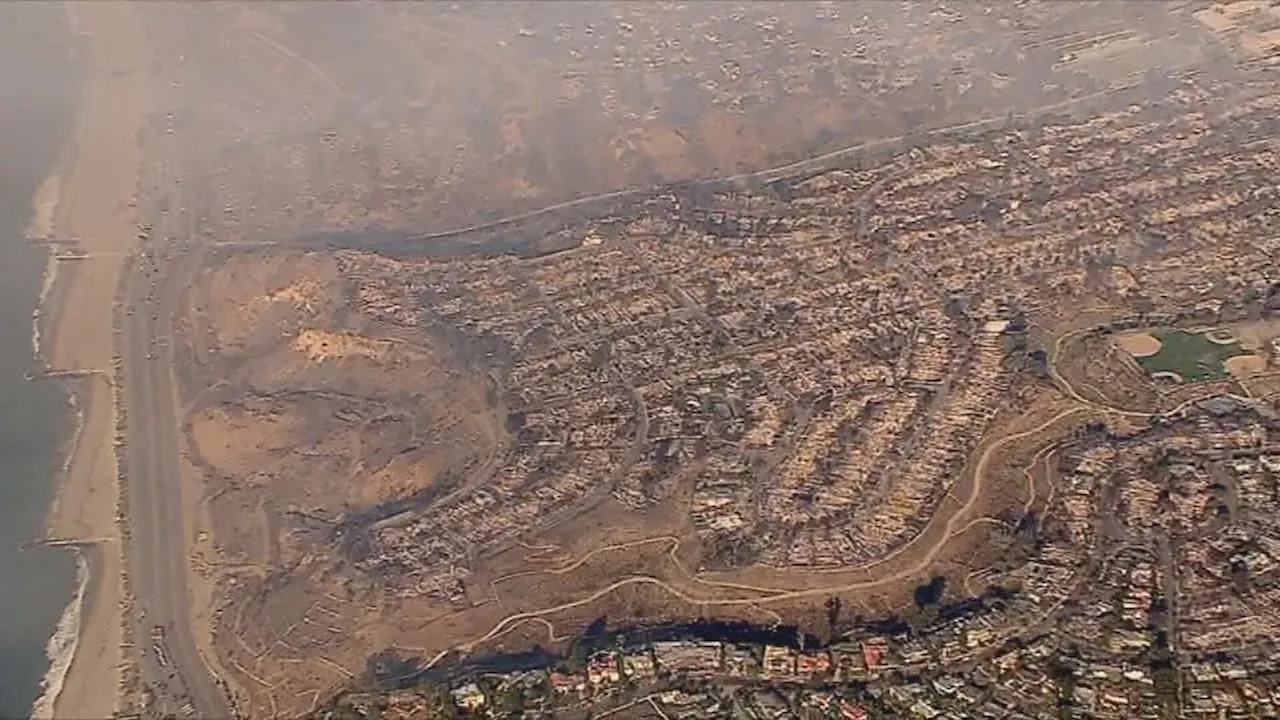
(61, 649)
(62, 645)
(86, 199)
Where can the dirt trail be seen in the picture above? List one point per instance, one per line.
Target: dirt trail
(775, 594)
(778, 595)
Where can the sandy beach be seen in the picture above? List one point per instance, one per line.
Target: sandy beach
(88, 200)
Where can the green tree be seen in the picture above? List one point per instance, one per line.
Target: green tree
(439, 701)
(508, 703)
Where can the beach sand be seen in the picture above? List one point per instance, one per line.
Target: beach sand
(96, 180)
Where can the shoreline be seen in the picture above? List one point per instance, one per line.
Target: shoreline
(62, 645)
(43, 211)
(61, 649)
(65, 641)
(85, 198)
(54, 286)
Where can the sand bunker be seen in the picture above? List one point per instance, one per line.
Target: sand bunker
(1139, 345)
(1243, 366)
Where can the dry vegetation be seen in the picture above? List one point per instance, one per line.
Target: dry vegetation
(323, 409)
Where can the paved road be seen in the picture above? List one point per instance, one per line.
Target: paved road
(158, 548)
(775, 594)
(159, 569)
(780, 171)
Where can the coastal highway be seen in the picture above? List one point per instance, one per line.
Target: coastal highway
(173, 666)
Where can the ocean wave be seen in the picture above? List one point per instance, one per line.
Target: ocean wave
(44, 208)
(61, 648)
(47, 280)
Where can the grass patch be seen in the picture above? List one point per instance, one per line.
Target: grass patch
(1190, 355)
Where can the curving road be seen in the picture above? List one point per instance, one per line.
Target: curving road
(774, 594)
(1070, 391)
(174, 667)
(778, 594)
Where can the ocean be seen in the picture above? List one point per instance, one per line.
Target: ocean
(38, 92)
